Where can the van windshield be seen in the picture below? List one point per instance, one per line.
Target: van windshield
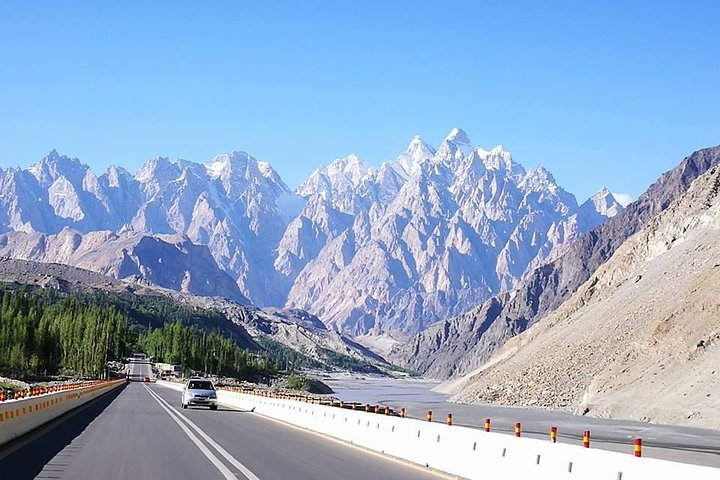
(200, 385)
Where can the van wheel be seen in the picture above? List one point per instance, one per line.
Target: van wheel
(213, 407)
(184, 406)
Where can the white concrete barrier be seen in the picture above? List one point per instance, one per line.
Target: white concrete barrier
(18, 417)
(467, 452)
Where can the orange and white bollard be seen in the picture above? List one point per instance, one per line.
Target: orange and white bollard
(518, 429)
(553, 434)
(586, 439)
(367, 407)
(448, 420)
(402, 412)
(429, 416)
(387, 410)
(637, 447)
(487, 424)
(377, 409)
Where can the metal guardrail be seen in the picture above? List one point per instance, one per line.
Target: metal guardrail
(6, 395)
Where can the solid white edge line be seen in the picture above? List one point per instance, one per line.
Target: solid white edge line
(368, 451)
(210, 456)
(245, 471)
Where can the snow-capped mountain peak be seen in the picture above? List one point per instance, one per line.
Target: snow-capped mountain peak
(340, 177)
(454, 148)
(351, 167)
(605, 203)
(418, 149)
(157, 168)
(538, 178)
(416, 152)
(54, 165)
(222, 166)
(458, 136)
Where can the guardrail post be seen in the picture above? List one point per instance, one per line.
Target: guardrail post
(637, 447)
(586, 439)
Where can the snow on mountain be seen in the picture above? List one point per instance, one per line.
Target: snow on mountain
(439, 231)
(423, 237)
(235, 205)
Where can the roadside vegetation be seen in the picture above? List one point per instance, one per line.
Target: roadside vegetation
(204, 351)
(42, 339)
(307, 384)
(44, 333)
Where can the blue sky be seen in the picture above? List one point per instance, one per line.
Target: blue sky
(600, 93)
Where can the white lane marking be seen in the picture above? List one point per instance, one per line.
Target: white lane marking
(210, 456)
(245, 471)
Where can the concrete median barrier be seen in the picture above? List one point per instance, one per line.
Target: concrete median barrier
(466, 452)
(18, 417)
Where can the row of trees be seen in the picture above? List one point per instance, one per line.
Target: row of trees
(69, 336)
(42, 335)
(196, 349)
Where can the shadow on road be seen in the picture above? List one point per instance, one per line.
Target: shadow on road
(25, 457)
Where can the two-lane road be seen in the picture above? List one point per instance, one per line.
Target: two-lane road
(142, 433)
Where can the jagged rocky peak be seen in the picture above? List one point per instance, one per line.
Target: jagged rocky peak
(227, 164)
(419, 150)
(117, 176)
(407, 162)
(454, 148)
(604, 203)
(53, 165)
(351, 167)
(458, 136)
(340, 176)
(158, 169)
(539, 178)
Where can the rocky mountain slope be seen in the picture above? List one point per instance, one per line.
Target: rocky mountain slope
(296, 330)
(425, 236)
(421, 238)
(462, 344)
(640, 339)
(234, 204)
(168, 261)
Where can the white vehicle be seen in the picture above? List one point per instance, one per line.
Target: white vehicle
(201, 392)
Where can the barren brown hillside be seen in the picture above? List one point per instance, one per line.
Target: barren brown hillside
(640, 339)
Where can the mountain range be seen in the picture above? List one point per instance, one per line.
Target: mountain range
(420, 239)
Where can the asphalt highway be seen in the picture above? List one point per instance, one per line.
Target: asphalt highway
(140, 432)
(139, 370)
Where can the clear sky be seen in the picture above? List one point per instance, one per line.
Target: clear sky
(600, 93)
